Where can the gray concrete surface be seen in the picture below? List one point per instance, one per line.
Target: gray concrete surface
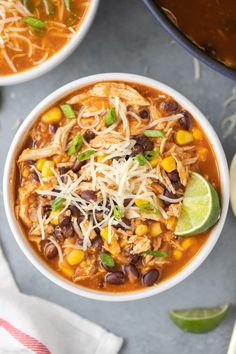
(125, 38)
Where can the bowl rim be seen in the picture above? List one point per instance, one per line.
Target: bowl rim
(186, 43)
(57, 58)
(41, 266)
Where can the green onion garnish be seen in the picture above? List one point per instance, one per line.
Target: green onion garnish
(141, 159)
(57, 203)
(67, 5)
(85, 155)
(34, 22)
(154, 133)
(107, 260)
(148, 208)
(76, 145)
(155, 253)
(110, 117)
(67, 110)
(117, 212)
(149, 155)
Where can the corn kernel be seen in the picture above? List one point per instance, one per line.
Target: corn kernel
(155, 229)
(123, 243)
(75, 257)
(46, 171)
(187, 243)
(141, 230)
(113, 247)
(197, 134)
(177, 254)
(54, 115)
(154, 162)
(202, 153)
(40, 163)
(183, 137)
(169, 164)
(139, 202)
(171, 223)
(66, 269)
(25, 172)
(54, 217)
(104, 233)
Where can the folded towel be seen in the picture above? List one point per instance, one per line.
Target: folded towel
(31, 325)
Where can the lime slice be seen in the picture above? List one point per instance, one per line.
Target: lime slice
(199, 320)
(201, 207)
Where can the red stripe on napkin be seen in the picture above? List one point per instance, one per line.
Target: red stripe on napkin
(28, 341)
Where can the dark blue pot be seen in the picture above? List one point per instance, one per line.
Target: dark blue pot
(180, 38)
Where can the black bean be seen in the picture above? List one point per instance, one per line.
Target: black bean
(151, 277)
(76, 213)
(137, 149)
(131, 272)
(125, 221)
(34, 176)
(127, 201)
(89, 135)
(144, 114)
(89, 195)
(64, 220)
(169, 105)
(53, 128)
(186, 121)
(173, 176)
(63, 170)
(135, 258)
(58, 234)
(169, 194)
(115, 278)
(50, 251)
(47, 210)
(77, 165)
(145, 142)
(97, 243)
(68, 231)
(177, 185)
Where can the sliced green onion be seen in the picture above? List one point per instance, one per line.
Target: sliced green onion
(117, 212)
(57, 203)
(85, 155)
(148, 208)
(141, 159)
(34, 22)
(155, 253)
(107, 260)
(76, 145)
(67, 5)
(110, 117)
(67, 110)
(154, 133)
(149, 155)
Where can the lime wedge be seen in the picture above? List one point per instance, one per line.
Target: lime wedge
(201, 207)
(199, 320)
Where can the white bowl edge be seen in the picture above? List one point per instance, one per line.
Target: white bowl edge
(59, 57)
(198, 259)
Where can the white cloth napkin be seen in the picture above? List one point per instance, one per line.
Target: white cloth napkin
(31, 325)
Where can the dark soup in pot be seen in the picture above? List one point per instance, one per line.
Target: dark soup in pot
(111, 180)
(209, 24)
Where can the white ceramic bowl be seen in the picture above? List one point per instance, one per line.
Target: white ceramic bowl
(16, 146)
(59, 57)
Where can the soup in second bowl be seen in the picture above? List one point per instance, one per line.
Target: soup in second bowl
(112, 178)
(210, 24)
(32, 31)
